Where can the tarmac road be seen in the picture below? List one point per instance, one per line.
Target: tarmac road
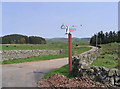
(29, 73)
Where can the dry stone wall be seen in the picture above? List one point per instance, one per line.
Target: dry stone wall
(15, 54)
(101, 74)
(88, 57)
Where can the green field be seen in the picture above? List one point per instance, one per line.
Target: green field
(32, 46)
(109, 56)
(56, 46)
(75, 50)
(65, 40)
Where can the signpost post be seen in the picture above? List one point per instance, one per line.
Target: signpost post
(70, 52)
(68, 30)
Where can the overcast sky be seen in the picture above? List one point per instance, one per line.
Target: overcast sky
(45, 18)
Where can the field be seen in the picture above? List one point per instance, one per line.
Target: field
(109, 56)
(31, 46)
(75, 50)
(55, 46)
(65, 40)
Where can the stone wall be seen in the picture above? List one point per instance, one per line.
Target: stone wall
(104, 75)
(101, 74)
(88, 57)
(15, 54)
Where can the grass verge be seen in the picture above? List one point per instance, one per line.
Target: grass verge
(62, 71)
(35, 58)
(47, 57)
(109, 56)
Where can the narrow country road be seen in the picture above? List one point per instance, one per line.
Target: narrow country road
(28, 74)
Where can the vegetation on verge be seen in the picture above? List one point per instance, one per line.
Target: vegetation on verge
(62, 71)
(35, 58)
(109, 56)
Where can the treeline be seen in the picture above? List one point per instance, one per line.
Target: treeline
(104, 38)
(21, 39)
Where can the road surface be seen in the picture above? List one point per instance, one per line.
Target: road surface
(29, 73)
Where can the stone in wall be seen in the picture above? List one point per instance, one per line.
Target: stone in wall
(88, 57)
(15, 54)
(101, 74)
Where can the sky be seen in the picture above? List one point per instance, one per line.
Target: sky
(44, 19)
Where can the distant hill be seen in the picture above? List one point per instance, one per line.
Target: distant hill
(65, 40)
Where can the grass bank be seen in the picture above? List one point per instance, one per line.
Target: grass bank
(62, 71)
(75, 50)
(35, 58)
(109, 56)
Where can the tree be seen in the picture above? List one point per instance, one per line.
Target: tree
(36, 40)
(118, 36)
(21, 39)
(114, 36)
(104, 38)
(93, 40)
(110, 39)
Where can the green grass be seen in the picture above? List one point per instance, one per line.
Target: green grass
(65, 40)
(107, 59)
(62, 71)
(31, 46)
(55, 46)
(109, 56)
(35, 58)
(77, 50)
